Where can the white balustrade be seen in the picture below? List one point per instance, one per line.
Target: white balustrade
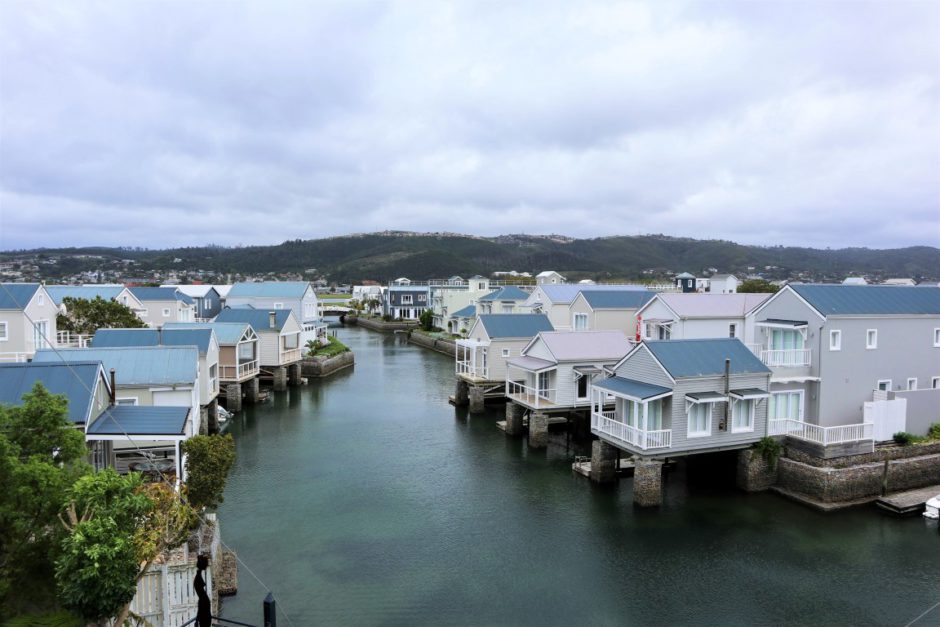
(825, 436)
(531, 396)
(607, 424)
(787, 358)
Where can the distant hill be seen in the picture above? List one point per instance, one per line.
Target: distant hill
(385, 256)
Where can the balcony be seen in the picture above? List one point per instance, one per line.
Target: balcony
(824, 436)
(787, 358)
(239, 372)
(530, 396)
(290, 355)
(606, 423)
(67, 339)
(471, 370)
(16, 358)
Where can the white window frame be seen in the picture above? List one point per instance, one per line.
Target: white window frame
(936, 337)
(407, 299)
(934, 383)
(123, 400)
(506, 352)
(871, 339)
(880, 381)
(166, 312)
(4, 331)
(733, 330)
(752, 405)
(835, 340)
(772, 405)
(42, 300)
(279, 305)
(574, 321)
(587, 388)
(912, 380)
(708, 420)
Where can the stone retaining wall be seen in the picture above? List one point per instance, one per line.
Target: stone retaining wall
(754, 474)
(381, 325)
(879, 455)
(324, 367)
(448, 347)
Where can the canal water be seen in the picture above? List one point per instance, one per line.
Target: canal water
(366, 499)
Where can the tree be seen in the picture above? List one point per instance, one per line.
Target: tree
(209, 459)
(426, 319)
(373, 304)
(41, 457)
(757, 286)
(86, 316)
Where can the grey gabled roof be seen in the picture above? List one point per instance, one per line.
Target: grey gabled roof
(107, 338)
(631, 388)
(16, 295)
(226, 333)
(515, 325)
(76, 381)
(467, 312)
(565, 294)
(705, 357)
(617, 299)
(510, 292)
(145, 294)
(585, 345)
(860, 300)
(140, 420)
(83, 292)
(136, 365)
(269, 289)
(259, 319)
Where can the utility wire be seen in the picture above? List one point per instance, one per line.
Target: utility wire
(144, 454)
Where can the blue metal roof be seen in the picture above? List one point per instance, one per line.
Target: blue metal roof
(259, 319)
(73, 380)
(849, 300)
(160, 293)
(226, 333)
(617, 299)
(631, 388)
(566, 293)
(16, 295)
(467, 312)
(200, 338)
(706, 357)
(140, 420)
(515, 325)
(84, 292)
(269, 289)
(138, 365)
(510, 292)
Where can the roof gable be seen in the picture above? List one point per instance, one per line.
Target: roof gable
(583, 345)
(226, 333)
(514, 325)
(510, 292)
(76, 381)
(145, 294)
(704, 357)
(17, 295)
(696, 305)
(259, 319)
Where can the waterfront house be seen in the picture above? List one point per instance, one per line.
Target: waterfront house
(206, 299)
(680, 397)
(117, 293)
(607, 310)
(505, 300)
(27, 320)
(238, 348)
(555, 300)
(450, 297)
(84, 384)
(555, 369)
(723, 284)
(461, 320)
(694, 316)
(549, 277)
(278, 330)
(406, 302)
(203, 339)
(492, 340)
(297, 296)
(164, 304)
(842, 357)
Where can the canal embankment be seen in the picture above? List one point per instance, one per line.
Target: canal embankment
(434, 342)
(377, 324)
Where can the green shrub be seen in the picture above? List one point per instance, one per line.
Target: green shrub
(770, 450)
(903, 438)
(934, 431)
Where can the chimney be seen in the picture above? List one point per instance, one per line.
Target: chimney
(113, 387)
(272, 319)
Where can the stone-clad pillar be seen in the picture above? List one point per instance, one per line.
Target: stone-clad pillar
(293, 374)
(280, 378)
(233, 397)
(204, 420)
(251, 390)
(538, 430)
(477, 401)
(213, 408)
(755, 473)
(461, 393)
(648, 483)
(603, 462)
(514, 415)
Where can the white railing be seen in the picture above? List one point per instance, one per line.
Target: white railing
(18, 358)
(529, 395)
(755, 348)
(240, 371)
(607, 424)
(469, 369)
(290, 355)
(67, 339)
(825, 436)
(787, 358)
(165, 594)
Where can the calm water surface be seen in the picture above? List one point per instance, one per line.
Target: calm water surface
(367, 499)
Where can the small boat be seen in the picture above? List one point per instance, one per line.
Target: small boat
(223, 414)
(933, 508)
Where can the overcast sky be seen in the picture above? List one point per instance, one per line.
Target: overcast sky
(186, 123)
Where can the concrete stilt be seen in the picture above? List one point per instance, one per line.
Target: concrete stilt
(251, 390)
(538, 430)
(293, 374)
(213, 415)
(514, 414)
(461, 393)
(233, 397)
(280, 378)
(204, 420)
(477, 401)
(755, 473)
(648, 483)
(603, 462)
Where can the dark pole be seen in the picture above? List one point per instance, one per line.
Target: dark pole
(727, 392)
(270, 611)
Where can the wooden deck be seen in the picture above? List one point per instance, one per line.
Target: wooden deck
(908, 503)
(552, 420)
